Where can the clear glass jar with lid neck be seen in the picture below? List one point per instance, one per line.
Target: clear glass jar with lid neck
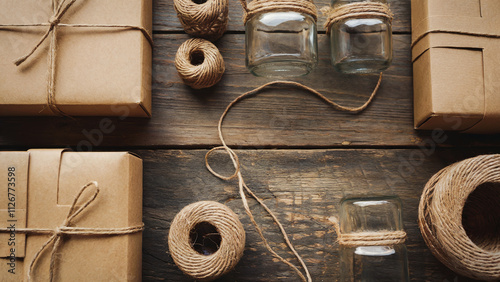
(361, 45)
(281, 43)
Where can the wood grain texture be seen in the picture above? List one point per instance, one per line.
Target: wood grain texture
(303, 188)
(165, 17)
(183, 117)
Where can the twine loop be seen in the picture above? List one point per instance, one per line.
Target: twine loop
(244, 189)
(265, 6)
(441, 214)
(207, 20)
(66, 229)
(199, 266)
(356, 10)
(199, 63)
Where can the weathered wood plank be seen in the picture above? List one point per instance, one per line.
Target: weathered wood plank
(303, 188)
(277, 118)
(165, 18)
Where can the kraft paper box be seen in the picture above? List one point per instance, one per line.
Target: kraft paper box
(98, 71)
(38, 189)
(456, 65)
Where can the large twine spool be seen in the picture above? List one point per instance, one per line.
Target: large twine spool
(265, 6)
(199, 63)
(356, 10)
(460, 222)
(211, 266)
(203, 18)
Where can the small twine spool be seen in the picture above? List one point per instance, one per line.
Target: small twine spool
(199, 63)
(356, 10)
(266, 6)
(185, 232)
(459, 217)
(203, 18)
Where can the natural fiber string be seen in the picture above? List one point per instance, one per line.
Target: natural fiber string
(265, 6)
(206, 20)
(67, 229)
(243, 188)
(378, 238)
(199, 266)
(59, 10)
(440, 218)
(356, 10)
(488, 35)
(203, 75)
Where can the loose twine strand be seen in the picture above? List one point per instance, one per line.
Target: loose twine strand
(356, 10)
(440, 216)
(67, 229)
(199, 266)
(59, 10)
(203, 75)
(207, 20)
(243, 188)
(264, 6)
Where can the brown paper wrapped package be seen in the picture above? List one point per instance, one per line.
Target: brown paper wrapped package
(46, 183)
(98, 71)
(456, 65)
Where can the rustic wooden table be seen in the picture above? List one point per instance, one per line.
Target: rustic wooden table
(297, 153)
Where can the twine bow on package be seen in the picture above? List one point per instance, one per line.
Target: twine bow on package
(70, 216)
(75, 57)
(456, 64)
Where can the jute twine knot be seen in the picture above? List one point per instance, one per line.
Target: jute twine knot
(442, 212)
(244, 189)
(199, 266)
(266, 6)
(199, 63)
(378, 238)
(206, 20)
(356, 10)
(56, 238)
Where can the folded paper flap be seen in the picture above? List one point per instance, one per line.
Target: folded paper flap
(13, 201)
(473, 17)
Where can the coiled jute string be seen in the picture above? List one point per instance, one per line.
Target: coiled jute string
(244, 189)
(378, 238)
(444, 206)
(56, 234)
(199, 266)
(199, 63)
(206, 19)
(265, 6)
(356, 10)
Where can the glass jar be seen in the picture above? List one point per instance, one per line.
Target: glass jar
(361, 45)
(372, 263)
(281, 43)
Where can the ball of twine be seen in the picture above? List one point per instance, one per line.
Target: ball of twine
(199, 63)
(199, 266)
(448, 213)
(203, 18)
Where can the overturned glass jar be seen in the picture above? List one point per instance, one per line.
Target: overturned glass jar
(360, 35)
(372, 240)
(281, 38)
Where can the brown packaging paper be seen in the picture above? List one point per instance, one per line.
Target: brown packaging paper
(456, 65)
(45, 183)
(98, 71)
